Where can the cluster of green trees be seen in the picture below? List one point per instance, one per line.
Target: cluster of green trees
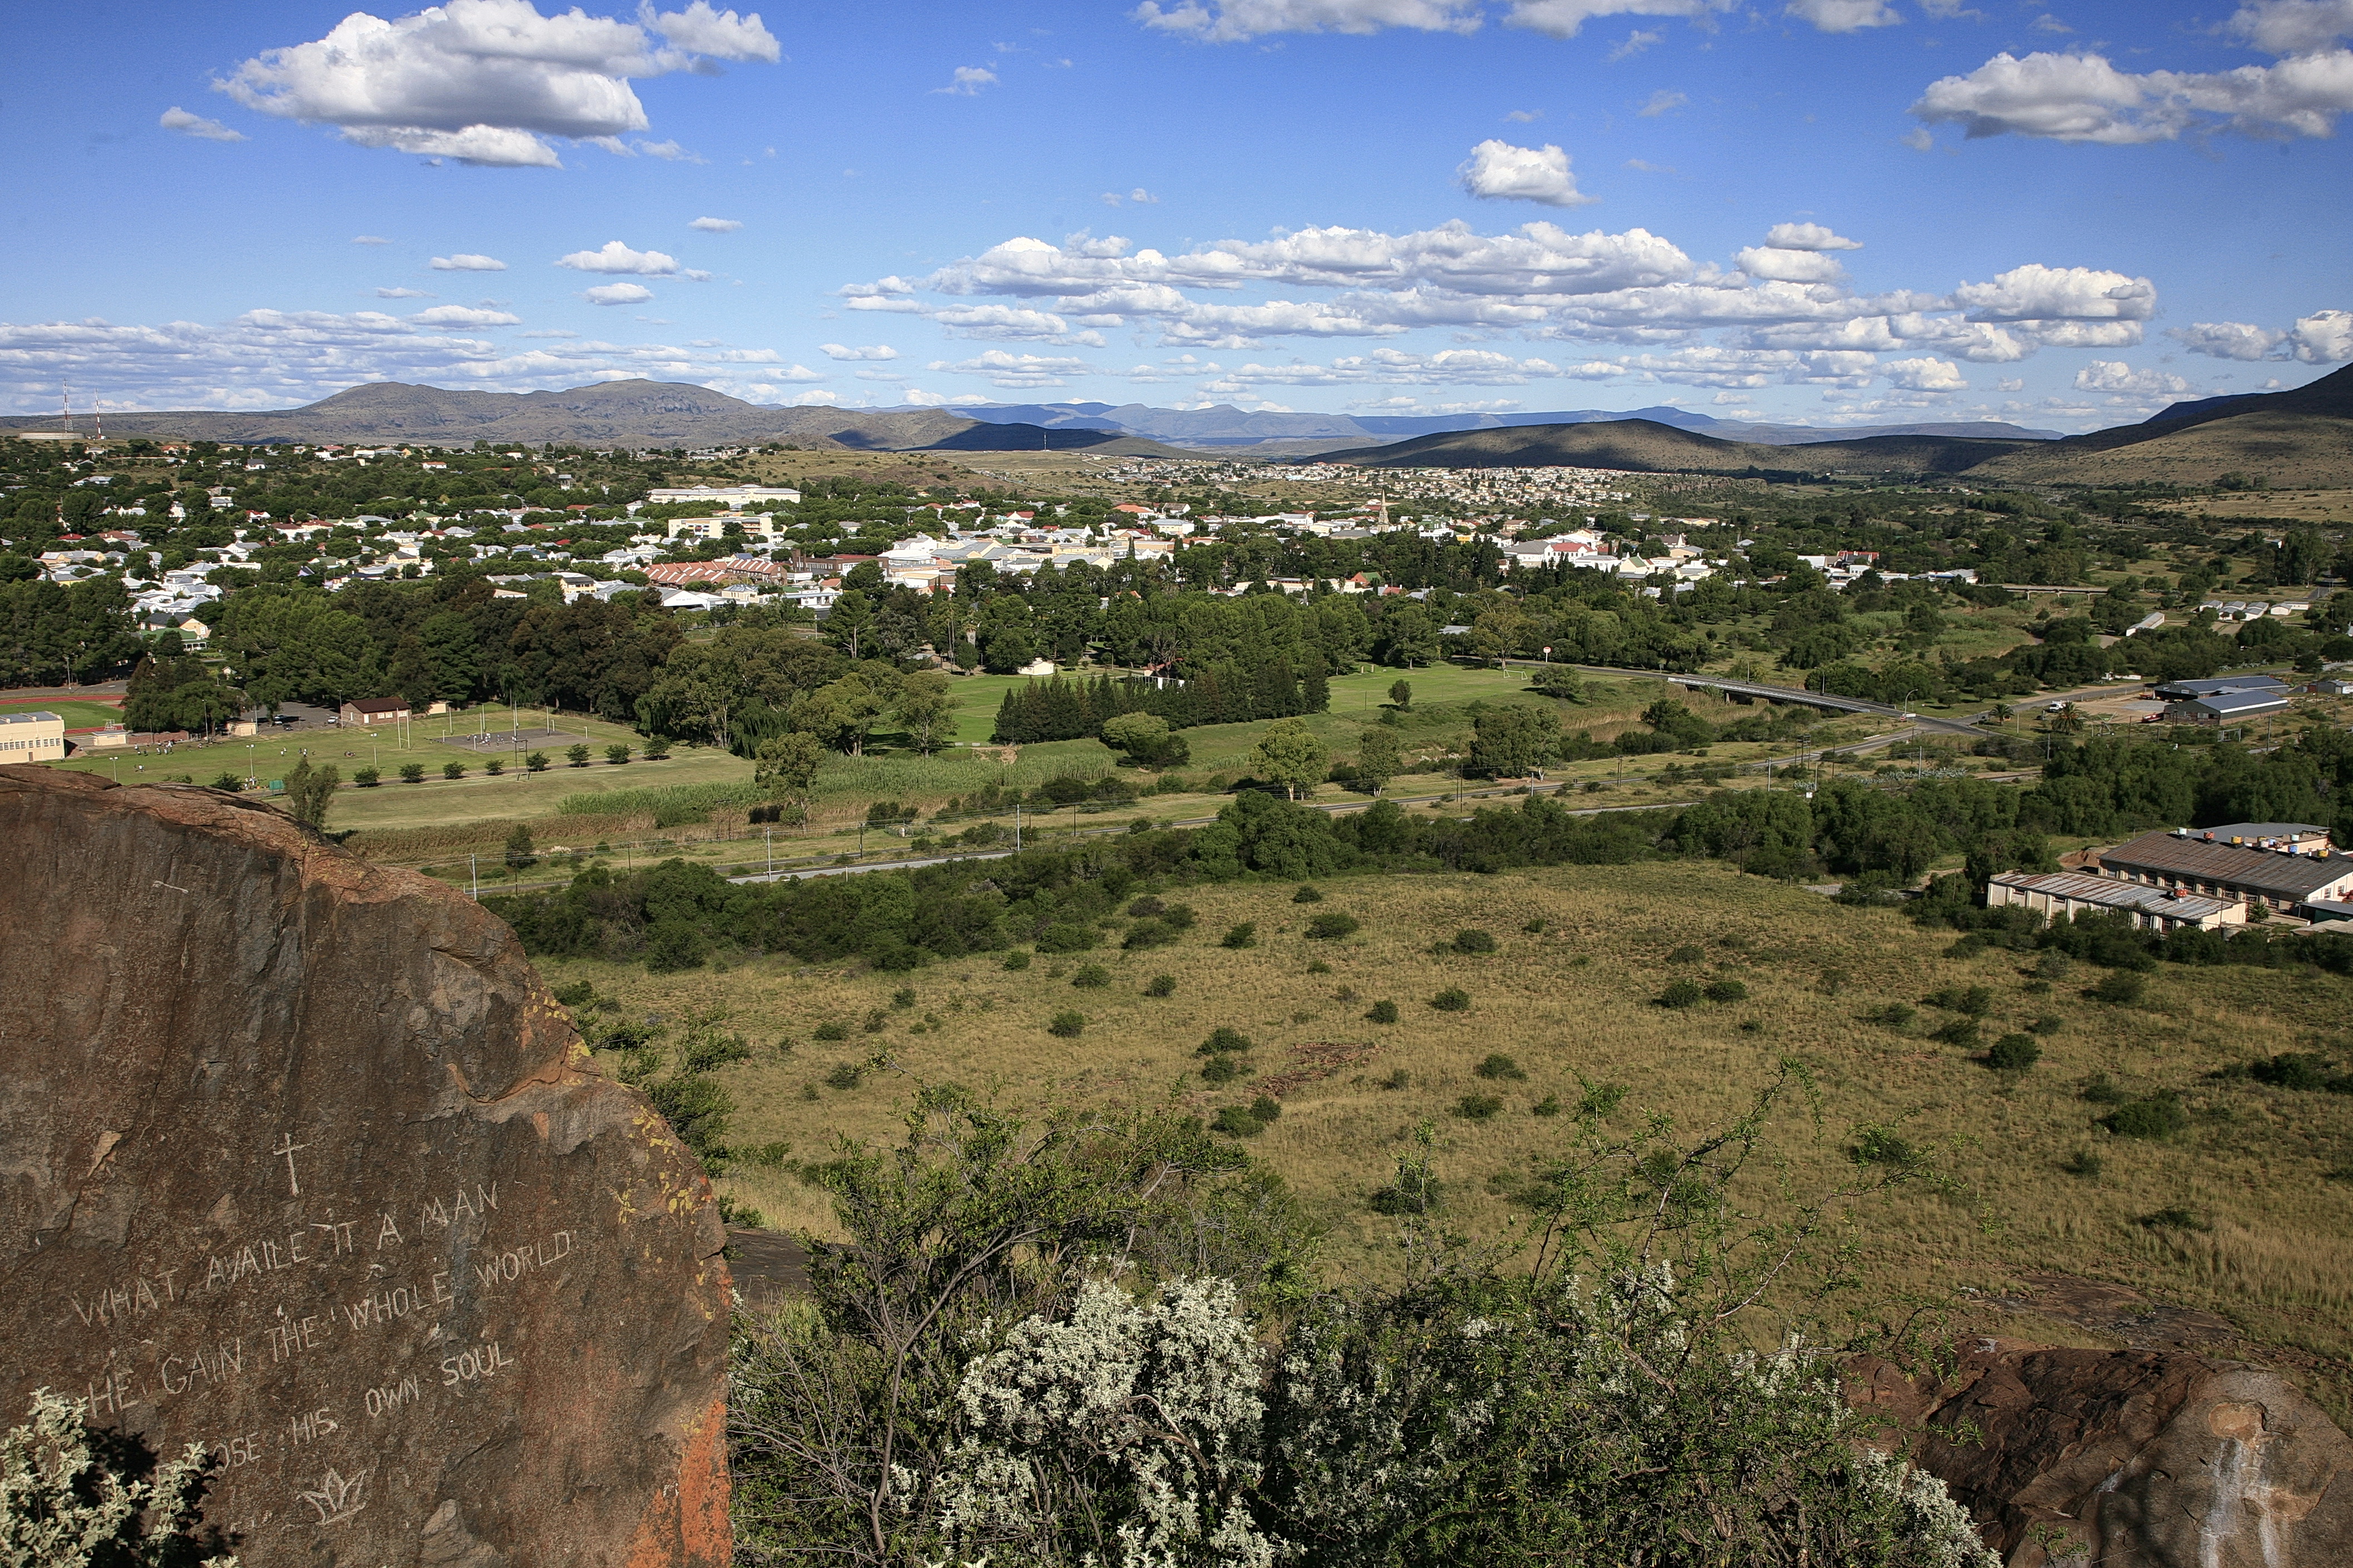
(53, 633)
(1223, 693)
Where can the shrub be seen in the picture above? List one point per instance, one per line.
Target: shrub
(1091, 977)
(1961, 1032)
(1161, 985)
(1536, 927)
(366, 778)
(1474, 941)
(1687, 953)
(830, 1031)
(1317, 966)
(1975, 1002)
(1308, 895)
(1223, 1041)
(617, 753)
(2299, 1070)
(2173, 1216)
(2014, 1053)
(1682, 994)
(2103, 1091)
(494, 767)
(1478, 1106)
(1222, 1070)
(1453, 999)
(1017, 960)
(1068, 937)
(1499, 1066)
(2053, 966)
(656, 749)
(1884, 1146)
(2081, 1162)
(1235, 1122)
(229, 780)
(1241, 936)
(1328, 927)
(1548, 1106)
(2047, 1024)
(412, 773)
(1396, 1077)
(537, 763)
(2122, 989)
(453, 770)
(1727, 991)
(904, 997)
(1266, 1108)
(1896, 1014)
(79, 1495)
(576, 755)
(845, 1076)
(1179, 917)
(1146, 934)
(1383, 1013)
(1145, 908)
(2160, 1116)
(1068, 1025)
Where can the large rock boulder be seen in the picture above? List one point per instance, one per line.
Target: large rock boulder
(2132, 1458)
(299, 1160)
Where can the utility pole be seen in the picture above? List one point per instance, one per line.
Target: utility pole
(475, 873)
(1017, 827)
(772, 851)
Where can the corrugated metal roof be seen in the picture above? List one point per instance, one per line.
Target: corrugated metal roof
(2210, 685)
(2229, 702)
(2195, 859)
(2227, 831)
(2111, 893)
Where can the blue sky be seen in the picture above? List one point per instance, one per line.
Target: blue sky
(1825, 211)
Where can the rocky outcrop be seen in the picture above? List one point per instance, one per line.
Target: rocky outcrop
(299, 1161)
(2133, 1459)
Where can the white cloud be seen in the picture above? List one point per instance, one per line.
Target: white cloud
(670, 153)
(2038, 293)
(1844, 16)
(402, 294)
(1003, 369)
(463, 316)
(1808, 237)
(196, 125)
(716, 225)
(618, 294)
(969, 80)
(1790, 266)
(369, 239)
(1635, 43)
(2226, 340)
(281, 359)
(1229, 21)
(487, 81)
(464, 262)
(1139, 195)
(1924, 375)
(614, 257)
(1662, 102)
(1497, 171)
(2293, 27)
(1562, 18)
(2324, 337)
(871, 352)
(2114, 376)
(2082, 98)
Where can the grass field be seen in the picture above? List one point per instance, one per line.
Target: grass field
(2243, 1214)
(76, 715)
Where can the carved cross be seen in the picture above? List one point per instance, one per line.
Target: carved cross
(286, 1146)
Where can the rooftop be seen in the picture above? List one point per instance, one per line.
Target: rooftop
(29, 719)
(2236, 865)
(2109, 893)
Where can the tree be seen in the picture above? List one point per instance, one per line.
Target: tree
(1512, 742)
(310, 792)
(1559, 680)
(926, 710)
(1146, 738)
(1401, 693)
(787, 765)
(842, 712)
(522, 853)
(577, 755)
(1290, 754)
(1378, 756)
(849, 621)
(1410, 636)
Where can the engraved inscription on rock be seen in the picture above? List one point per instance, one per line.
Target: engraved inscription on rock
(299, 1161)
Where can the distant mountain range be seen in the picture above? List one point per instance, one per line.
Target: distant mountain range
(2303, 438)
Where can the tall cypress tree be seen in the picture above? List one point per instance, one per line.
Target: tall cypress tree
(1316, 689)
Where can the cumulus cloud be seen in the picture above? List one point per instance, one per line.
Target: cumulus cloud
(670, 153)
(1139, 195)
(1844, 16)
(281, 359)
(1790, 265)
(402, 294)
(1924, 375)
(489, 81)
(969, 80)
(1013, 369)
(1497, 171)
(464, 262)
(196, 125)
(2293, 27)
(614, 257)
(716, 225)
(2082, 98)
(2324, 337)
(1562, 18)
(618, 294)
(1662, 102)
(1232, 21)
(2114, 375)
(2036, 293)
(871, 352)
(464, 316)
(1808, 237)
(2226, 340)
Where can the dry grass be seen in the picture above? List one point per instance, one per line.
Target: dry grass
(1576, 1000)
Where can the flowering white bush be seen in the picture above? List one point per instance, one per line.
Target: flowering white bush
(1125, 1433)
(62, 1507)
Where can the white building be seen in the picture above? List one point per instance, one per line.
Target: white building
(733, 497)
(32, 737)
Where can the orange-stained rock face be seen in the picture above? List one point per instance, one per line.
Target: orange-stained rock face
(299, 1161)
(2133, 1459)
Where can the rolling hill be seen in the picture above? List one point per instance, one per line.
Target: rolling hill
(1645, 445)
